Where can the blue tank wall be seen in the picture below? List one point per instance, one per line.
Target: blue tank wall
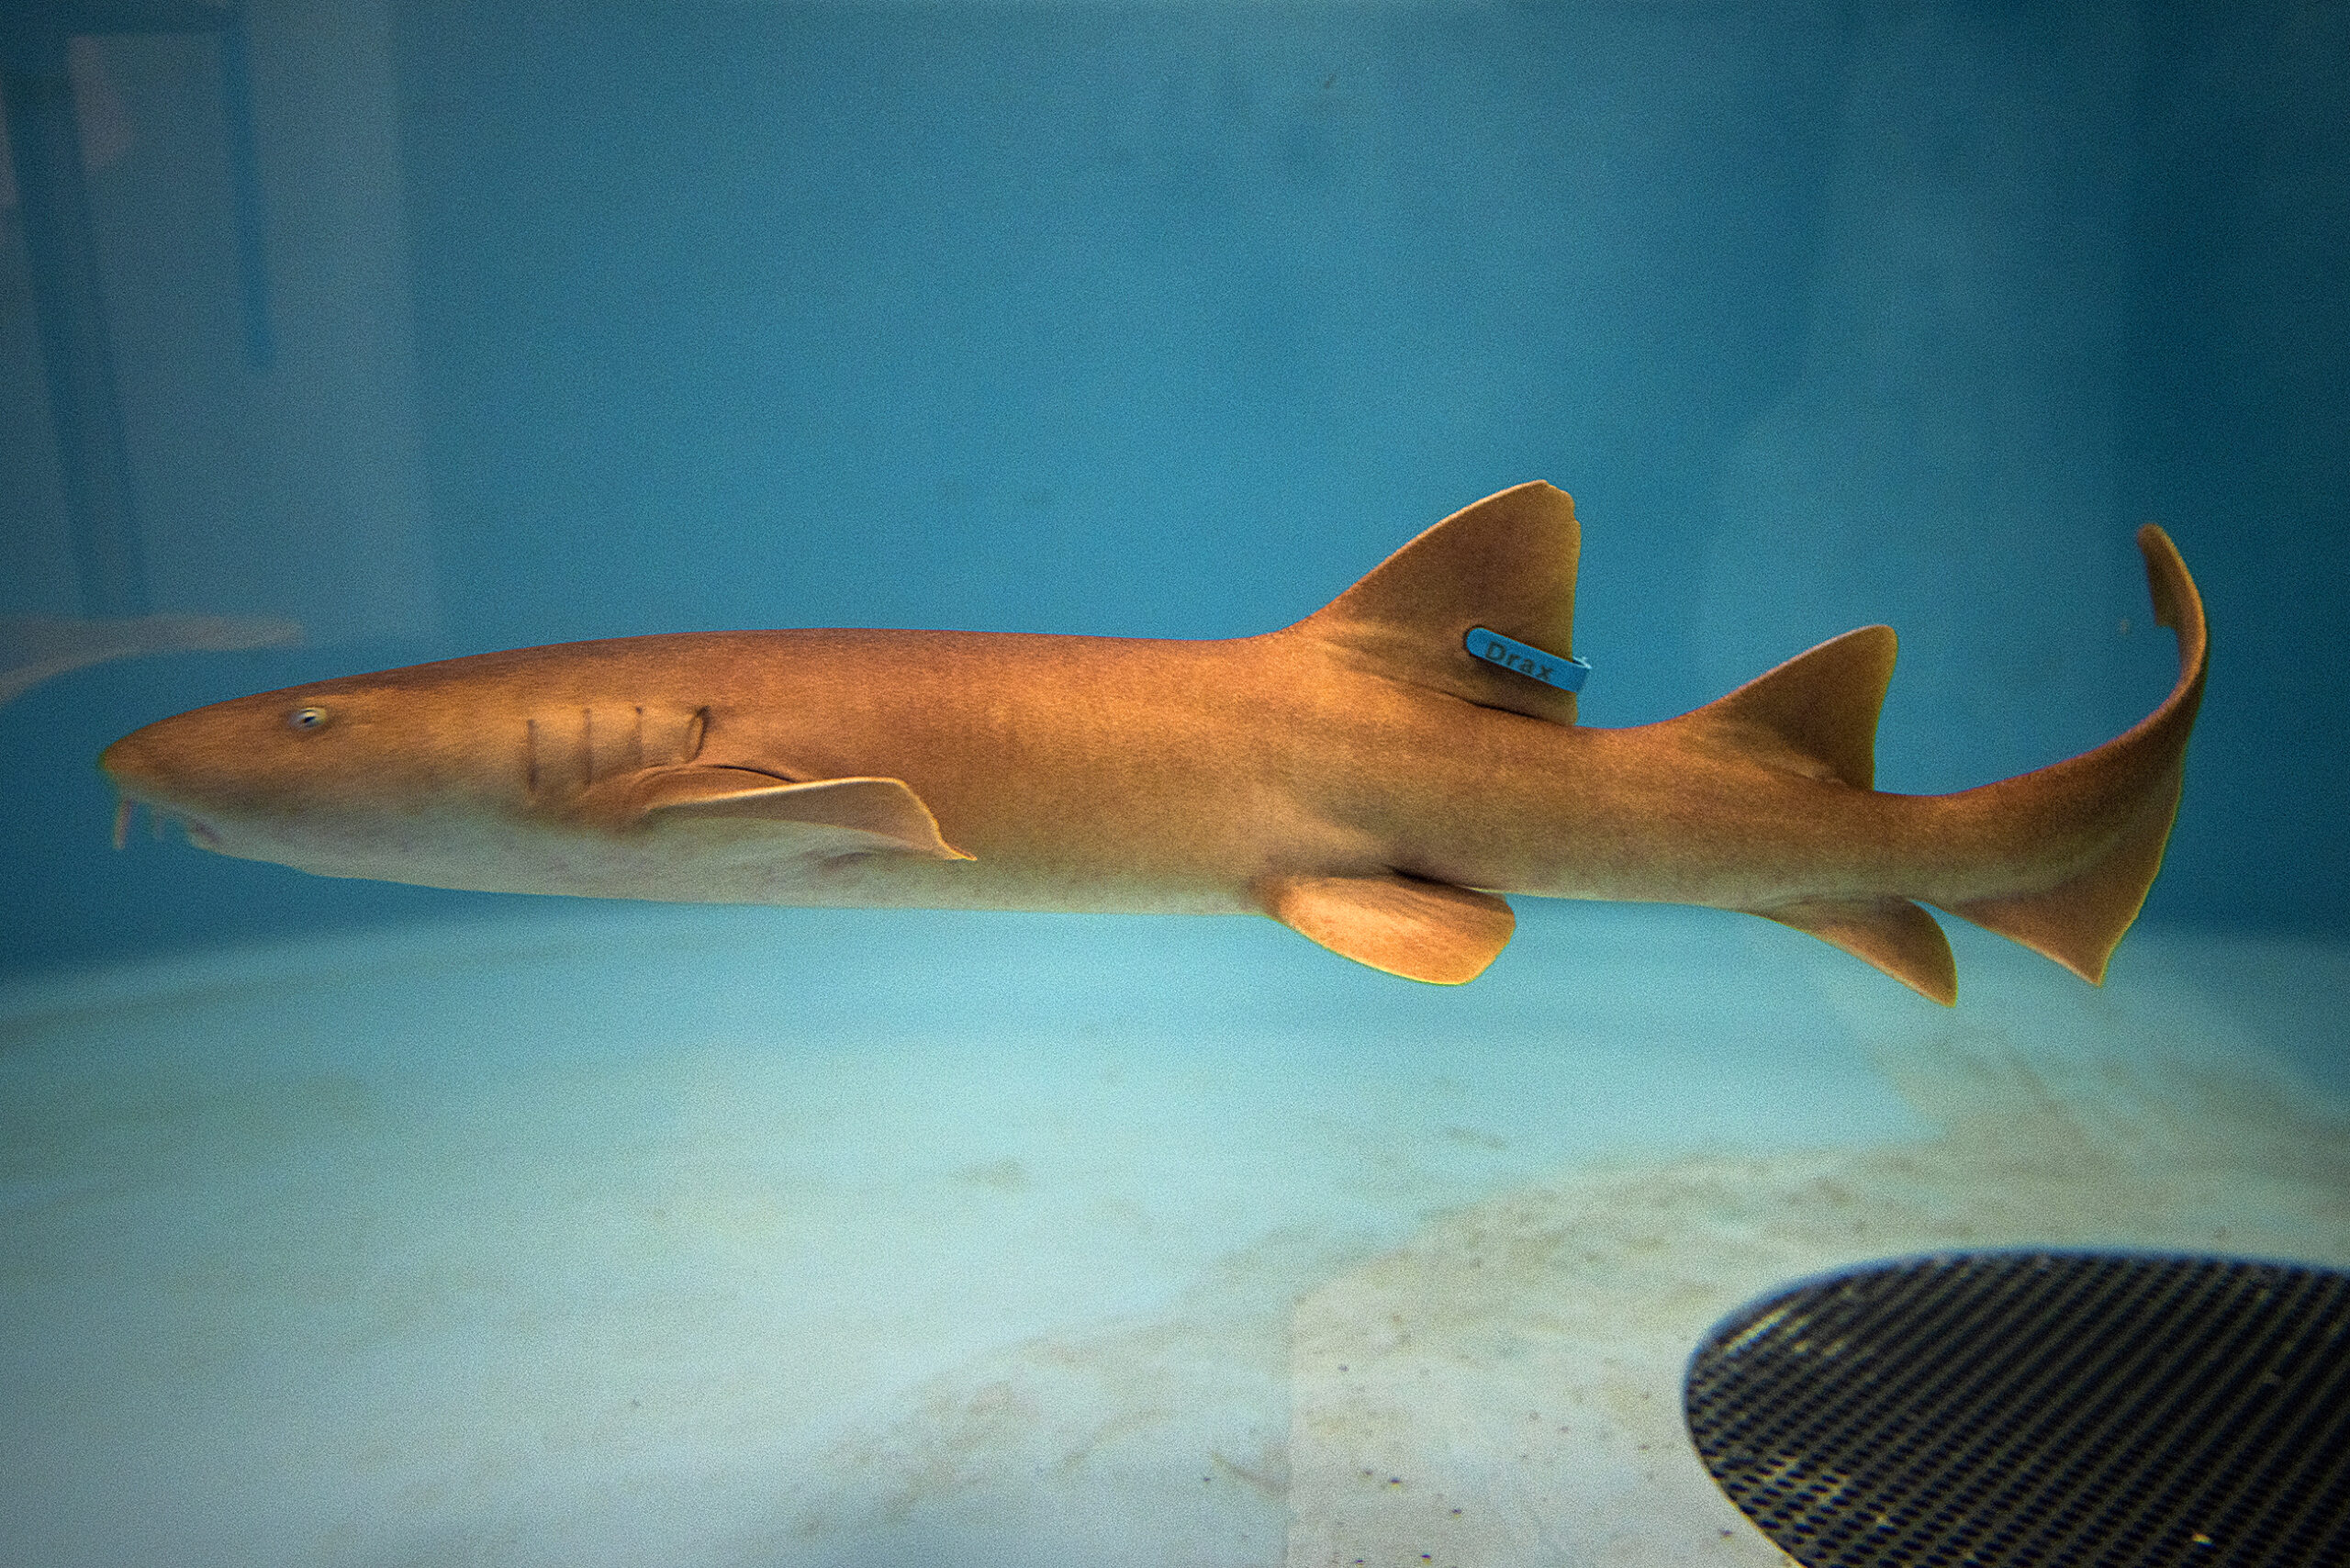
(1173, 322)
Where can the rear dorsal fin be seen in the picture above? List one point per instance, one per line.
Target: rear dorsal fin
(1506, 564)
(1817, 714)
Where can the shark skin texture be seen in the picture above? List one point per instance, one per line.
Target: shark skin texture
(1360, 776)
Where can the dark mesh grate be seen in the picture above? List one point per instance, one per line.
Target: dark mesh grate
(2051, 1408)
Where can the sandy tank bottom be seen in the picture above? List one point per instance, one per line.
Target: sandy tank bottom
(626, 1236)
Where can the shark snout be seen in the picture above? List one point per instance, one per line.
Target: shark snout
(205, 761)
(129, 763)
(141, 773)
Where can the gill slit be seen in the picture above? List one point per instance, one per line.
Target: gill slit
(587, 743)
(530, 755)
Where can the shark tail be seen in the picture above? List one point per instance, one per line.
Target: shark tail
(2117, 803)
(2067, 852)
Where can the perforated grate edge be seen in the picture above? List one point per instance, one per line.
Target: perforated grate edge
(2059, 1408)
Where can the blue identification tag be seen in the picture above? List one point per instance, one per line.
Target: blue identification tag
(1550, 670)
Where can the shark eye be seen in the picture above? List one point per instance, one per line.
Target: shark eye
(306, 719)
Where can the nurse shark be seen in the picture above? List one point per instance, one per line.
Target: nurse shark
(1369, 776)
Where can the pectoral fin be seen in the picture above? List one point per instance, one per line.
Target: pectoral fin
(1893, 934)
(830, 816)
(1423, 931)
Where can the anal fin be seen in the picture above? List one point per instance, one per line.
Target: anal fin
(1894, 935)
(1420, 930)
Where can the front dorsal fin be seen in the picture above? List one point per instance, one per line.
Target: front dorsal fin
(1817, 714)
(1506, 564)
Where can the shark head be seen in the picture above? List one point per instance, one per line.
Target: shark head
(347, 779)
(560, 770)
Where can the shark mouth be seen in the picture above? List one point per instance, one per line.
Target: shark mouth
(199, 835)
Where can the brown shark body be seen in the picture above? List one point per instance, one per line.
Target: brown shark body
(1360, 776)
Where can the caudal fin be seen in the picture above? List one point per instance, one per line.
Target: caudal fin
(2125, 793)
